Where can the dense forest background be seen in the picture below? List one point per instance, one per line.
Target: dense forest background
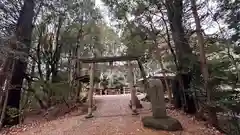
(41, 41)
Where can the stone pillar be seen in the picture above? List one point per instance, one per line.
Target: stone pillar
(90, 92)
(157, 98)
(159, 119)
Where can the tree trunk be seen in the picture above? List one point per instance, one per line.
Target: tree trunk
(69, 67)
(145, 82)
(165, 80)
(168, 40)
(9, 72)
(3, 74)
(183, 49)
(78, 73)
(38, 51)
(26, 95)
(23, 33)
(213, 116)
(4, 108)
(78, 64)
(54, 73)
(184, 53)
(46, 84)
(202, 49)
(56, 56)
(3, 70)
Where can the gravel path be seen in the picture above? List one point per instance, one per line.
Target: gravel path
(112, 117)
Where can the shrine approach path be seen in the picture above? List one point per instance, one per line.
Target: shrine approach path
(112, 117)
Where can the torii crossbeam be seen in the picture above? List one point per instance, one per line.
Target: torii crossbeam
(109, 59)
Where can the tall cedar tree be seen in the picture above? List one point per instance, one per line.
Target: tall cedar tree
(24, 29)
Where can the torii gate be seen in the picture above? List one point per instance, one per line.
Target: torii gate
(130, 70)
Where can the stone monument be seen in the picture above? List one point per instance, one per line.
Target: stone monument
(159, 119)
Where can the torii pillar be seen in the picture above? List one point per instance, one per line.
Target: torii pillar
(90, 92)
(132, 89)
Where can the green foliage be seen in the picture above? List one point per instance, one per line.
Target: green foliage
(117, 81)
(135, 44)
(104, 81)
(58, 91)
(133, 34)
(12, 112)
(229, 10)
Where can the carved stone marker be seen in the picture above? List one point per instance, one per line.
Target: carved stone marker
(159, 120)
(157, 98)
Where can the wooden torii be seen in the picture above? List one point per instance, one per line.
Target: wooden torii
(128, 58)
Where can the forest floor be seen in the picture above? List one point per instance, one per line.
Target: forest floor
(112, 117)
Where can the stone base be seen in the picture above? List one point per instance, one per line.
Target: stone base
(89, 116)
(167, 123)
(134, 112)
